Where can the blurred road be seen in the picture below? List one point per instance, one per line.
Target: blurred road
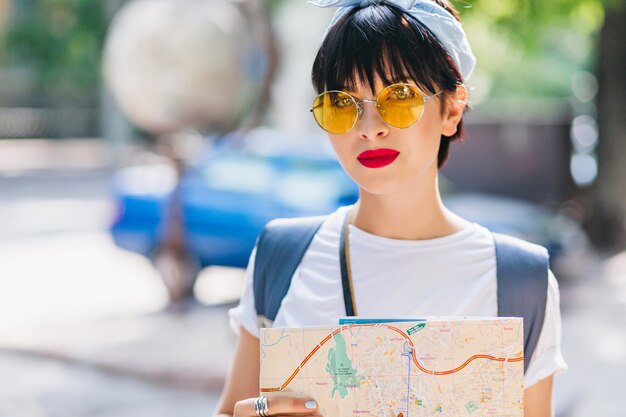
(84, 328)
(36, 386)
(594, 342)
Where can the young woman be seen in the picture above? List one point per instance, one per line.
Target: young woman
(390, 75)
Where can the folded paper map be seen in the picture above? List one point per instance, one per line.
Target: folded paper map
(386, 368)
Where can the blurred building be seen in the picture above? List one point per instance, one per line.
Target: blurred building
(527, 159)
(49, 78)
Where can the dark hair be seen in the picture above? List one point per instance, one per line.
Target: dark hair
(383, 40)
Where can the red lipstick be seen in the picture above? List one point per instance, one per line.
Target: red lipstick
(378, 158)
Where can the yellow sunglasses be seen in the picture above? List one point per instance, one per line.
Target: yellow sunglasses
(400, 105)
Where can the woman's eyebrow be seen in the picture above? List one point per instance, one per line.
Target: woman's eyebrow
(347, 89)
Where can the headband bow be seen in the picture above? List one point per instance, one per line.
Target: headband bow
(438, 20)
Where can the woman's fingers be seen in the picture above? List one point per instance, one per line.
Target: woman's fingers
(299, 415)
(278, 406)
(297, 406)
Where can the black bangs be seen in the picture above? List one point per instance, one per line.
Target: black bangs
(382, 40)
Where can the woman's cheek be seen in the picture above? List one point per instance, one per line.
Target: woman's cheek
(342, 150)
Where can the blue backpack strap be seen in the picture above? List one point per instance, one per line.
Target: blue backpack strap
(279, 249)
(522, 274)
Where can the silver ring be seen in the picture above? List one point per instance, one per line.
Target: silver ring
(260, 407)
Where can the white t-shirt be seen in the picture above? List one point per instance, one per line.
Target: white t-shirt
(454, 275)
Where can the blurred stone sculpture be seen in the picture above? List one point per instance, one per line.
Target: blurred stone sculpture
(179, 65)
(175, 64)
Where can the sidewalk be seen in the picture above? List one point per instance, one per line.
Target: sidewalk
(190, 349)
(68, 293)
(594, 343)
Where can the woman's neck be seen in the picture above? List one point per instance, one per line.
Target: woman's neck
(414, 215)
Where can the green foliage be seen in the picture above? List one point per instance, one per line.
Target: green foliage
(59, 42)
(531, 48)
(525, 21)
(273, 5)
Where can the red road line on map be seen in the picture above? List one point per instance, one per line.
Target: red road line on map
(421, 368)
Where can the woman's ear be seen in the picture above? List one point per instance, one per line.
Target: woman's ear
(455, 106)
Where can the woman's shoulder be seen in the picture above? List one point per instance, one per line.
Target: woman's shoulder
(283, 227)
(335, 220)
(508, 245)
(293, 236)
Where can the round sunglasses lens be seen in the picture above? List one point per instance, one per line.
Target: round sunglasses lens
(401, 105)
(335, 112)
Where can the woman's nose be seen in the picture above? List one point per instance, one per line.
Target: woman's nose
(371, 125)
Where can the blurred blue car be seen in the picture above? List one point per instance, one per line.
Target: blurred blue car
(220, 206)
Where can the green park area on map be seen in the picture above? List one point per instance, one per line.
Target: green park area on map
(339, 366)
(444, 367)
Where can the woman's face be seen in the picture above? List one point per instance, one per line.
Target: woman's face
(383, 159)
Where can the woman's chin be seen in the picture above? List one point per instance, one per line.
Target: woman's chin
(380, 186)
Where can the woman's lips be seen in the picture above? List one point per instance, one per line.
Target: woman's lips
(378, 158)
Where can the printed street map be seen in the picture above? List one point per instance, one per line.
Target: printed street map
(433, 367)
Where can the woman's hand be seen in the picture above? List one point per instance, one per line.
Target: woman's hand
(243, 382)
(278, 407)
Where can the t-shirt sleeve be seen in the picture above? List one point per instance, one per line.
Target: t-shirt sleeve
(547, 358)
(244, 314)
